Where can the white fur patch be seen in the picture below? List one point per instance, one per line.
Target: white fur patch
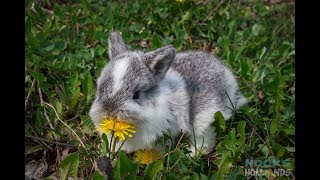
(175, 77)
(205, 135)
(158, 120)
(155, 123)
(204, 118)
(120, 69)
(96, 113)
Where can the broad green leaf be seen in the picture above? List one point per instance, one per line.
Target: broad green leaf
(225, 164)
(99, 66)
(291, 149)
(126, 166)
(183, 168)
(49, 178)
(241, 132)
(185, 178)
(278, 150)
(116, 171)
(256, 28)
(59, 45)
(264, 149)
(105, 144)
(38, 76)
(72, 82)
(100, 36)
(49, 47)
(219, 123)
(230, 142)
(215, 175)
(178, 44)
(153, 168)
(236, 173)
(225, 46)
(72, 98)
(273, 127)
(203, 177)
(241, 177)
(261, 73)
(97, 176)
(69, 166)
(58, 106)
(156, 42)
(195, 176)
(175, 156)
(87, 87)
(185, 17)
(292, 53)
(244, 68)
(91, 52)
(182, 35)
(99, 50)
(291, 130)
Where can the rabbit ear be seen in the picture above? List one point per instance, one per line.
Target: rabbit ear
(160, 60)
(116, 45)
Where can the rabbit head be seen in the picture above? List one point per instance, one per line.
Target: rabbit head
(128, 81)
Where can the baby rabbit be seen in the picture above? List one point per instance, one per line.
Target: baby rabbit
(164, 92)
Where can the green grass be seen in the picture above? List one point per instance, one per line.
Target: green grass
(66, 50)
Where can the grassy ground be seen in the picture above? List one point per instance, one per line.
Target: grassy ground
(66, 49)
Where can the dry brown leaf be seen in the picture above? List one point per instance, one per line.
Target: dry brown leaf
(144, 44)
(260, 96)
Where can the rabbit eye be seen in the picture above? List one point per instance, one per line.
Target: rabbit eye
(136, 95)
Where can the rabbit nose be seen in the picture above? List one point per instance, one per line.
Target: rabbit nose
(111, 107)
(113, 113)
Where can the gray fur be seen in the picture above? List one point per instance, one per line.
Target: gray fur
(205, 78)
(176, 92)
(116, 45)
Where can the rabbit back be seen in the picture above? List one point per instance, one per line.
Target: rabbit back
(209, 83)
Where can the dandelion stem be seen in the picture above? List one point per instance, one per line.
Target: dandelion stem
(118, 150)
(114, 124)
(114, 145)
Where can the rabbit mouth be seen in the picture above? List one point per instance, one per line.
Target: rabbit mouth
(123, 117)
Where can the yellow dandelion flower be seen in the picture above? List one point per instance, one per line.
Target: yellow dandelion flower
(147, 156)
(121, 129)
(180, 1)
